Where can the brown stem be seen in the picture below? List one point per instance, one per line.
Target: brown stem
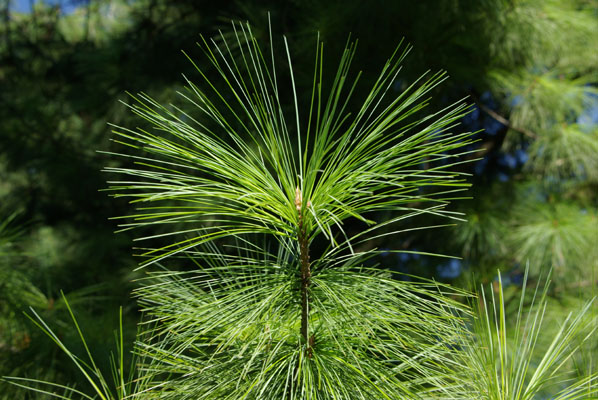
(303, 241)
(305, 278)
(305, 274)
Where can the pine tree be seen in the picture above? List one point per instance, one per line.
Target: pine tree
(252, 311)
(261, 314)
(534, 200)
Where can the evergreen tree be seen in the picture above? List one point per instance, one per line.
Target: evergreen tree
(256, 312)
(529, 67)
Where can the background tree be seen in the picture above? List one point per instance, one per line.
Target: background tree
(530, 67)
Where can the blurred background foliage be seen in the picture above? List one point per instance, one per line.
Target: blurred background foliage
(530, 67)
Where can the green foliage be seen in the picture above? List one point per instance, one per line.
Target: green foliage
(554, 234)
(121, 387)
(542, 75)
(565, 151)
(530, 67)
(22, 348)
(231, 329)
(248, 323)
(513, 365)
(248, 170)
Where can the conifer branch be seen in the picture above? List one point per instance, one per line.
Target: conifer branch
(305, 273)
(503, 120)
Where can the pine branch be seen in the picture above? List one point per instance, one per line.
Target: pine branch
(502, 119)
(303, 240)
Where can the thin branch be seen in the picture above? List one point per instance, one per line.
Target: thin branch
(502, 119)
(305, 274)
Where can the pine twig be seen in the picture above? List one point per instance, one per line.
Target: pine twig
(502, 119)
